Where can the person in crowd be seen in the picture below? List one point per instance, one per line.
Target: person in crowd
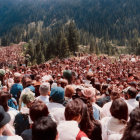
(56, 104)
(37, 84)
(67, 74)
(131, 94)
(21, 122)
(88, 96)
(28, 84)
(2, 75)
(17, 88)
(132, 131)
(106, 108)
(4, 128)
(44, 128)
(104, 98)
(117, 122)
(4, 97)
(68, 130)
(38, 109)
(44, 90)
(69, 92)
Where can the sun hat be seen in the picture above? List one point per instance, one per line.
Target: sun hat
(57, 94)
(17, 74)
(89, 92)
(4, 117)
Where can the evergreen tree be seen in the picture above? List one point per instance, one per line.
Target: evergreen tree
(92, 46)
(73, 38)
(65, 52)
(40, 58)
(31, 51)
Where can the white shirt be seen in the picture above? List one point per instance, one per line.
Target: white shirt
(12, 112)
(16, 137)
(56, 111)
(45, 99)
(111, 126)
(133, 103)
(68, 130)
(106, 110)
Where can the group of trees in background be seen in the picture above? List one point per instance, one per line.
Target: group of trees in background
(56, 28)
(62, 44)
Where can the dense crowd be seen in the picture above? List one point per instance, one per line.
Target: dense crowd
(80, 98)
(10, 56)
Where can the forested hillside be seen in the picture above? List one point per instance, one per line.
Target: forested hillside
(107, 20)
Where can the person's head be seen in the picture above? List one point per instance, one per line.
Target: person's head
(73, 110)
(131, 93)
(45, 129)
(38, 109)
(24, 80)
(119, 109)
(97, 85)
(89, 93)
(2, 75)
(104, 88)
(132, 131)
(89, 75)
(38, 78)
(69, 91)
(44, 89)
(28, 82)
(114, 94)
(67, 74)
(4, 97)
(17, 77)
(27, 98)
(57, 95)
(4, 118)
(63, 83)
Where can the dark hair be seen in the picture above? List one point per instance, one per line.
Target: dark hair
(38, 109)
(132, 92)
(88, 124)
(17, 79)
(73, 109)
(89, 106)
(132, 131)
(97, 85)
(24, 80)
(119, 109)
(4, 97)
(114, 94)
(45, 129)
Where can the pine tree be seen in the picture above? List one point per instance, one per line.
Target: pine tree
(62, 46)
(40, 58)
(92, 46)
(73, 38)
(65, 48)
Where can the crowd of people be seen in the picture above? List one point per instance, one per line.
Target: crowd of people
(10, 56)
(80, 98)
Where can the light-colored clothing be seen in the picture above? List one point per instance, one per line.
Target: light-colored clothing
(111, 126)
(12, 112)
(44, 99)
(16, 137)
(133, 103)
(68, 130)
(56, 111)
(106, 110)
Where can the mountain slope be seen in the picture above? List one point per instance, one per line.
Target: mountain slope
(114, 18)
